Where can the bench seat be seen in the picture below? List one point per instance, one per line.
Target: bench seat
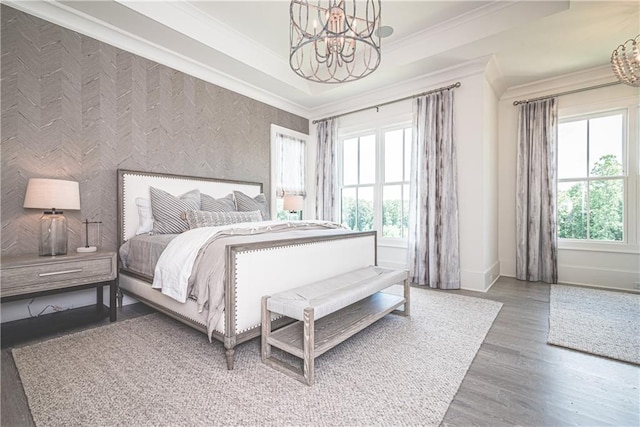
(328, 312)
(330, 295)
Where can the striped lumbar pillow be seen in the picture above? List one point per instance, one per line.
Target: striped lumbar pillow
(166, 210)
(197, 219)
(225, 204)
(245, 203)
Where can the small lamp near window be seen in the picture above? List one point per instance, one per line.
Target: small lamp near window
(53, 195)
(293, 204)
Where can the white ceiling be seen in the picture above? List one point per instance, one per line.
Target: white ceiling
(247, 42)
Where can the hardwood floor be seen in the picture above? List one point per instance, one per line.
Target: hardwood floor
(515, 379)
(518, 379)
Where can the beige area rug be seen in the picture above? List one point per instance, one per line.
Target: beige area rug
(154, 371)
(595, 321)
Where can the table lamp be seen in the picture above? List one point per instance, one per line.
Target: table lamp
(52, 195)
(293, 203)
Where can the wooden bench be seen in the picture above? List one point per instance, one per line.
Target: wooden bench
(328, 312)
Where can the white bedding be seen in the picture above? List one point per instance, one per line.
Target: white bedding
(176, 263)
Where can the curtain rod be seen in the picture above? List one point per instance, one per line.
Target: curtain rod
(524, 101)
(456, 84)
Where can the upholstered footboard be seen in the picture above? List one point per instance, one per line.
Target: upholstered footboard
(266, 268)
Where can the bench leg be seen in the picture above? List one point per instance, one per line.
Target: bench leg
(407, 297)
(309, 356)
(406, 311)
(266, 329)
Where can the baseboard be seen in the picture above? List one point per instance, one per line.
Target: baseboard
(596, 277)
(392, 264)
(480, 281)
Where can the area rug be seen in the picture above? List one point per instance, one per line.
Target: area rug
(153, 370)
(595, 321)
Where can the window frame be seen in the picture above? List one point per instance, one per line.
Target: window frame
(630, 110)
(379, 183)
(274, 167)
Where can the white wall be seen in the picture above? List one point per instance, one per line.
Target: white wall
(604, 265)
(490, 163)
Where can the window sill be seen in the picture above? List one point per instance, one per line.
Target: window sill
(400, 244)
(610, 247)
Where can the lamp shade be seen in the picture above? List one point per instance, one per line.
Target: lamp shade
(43, 193)
(292, 203)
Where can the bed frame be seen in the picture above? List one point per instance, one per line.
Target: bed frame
(274, 266)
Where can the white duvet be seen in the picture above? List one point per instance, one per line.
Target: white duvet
(176, 262)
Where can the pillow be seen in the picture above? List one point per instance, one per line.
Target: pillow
(245, 203)
(225, 204)
(145, 220)
(166, 210)
(197, 219)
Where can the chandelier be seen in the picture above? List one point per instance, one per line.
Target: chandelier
(334, 41)
(625, 62)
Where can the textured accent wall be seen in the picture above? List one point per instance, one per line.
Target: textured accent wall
(76, 108)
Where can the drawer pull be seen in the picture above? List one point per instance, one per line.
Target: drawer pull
(55, 273)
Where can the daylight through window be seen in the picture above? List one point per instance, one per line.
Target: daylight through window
(374, 181)
(591, 177)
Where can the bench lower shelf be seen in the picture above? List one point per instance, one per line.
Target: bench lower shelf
(333, 329)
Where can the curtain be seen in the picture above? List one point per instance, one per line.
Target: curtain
(326, 170)
(536, 186)
(290, 158)
(433, 202)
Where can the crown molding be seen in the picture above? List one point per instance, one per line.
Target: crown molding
(566, 82)
(452, 23)
(486, 21)
(68, 17)
(443, 77)
(494, 76)
(187, 19)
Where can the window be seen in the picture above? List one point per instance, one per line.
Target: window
(287, 168)
(374, 180)
(395, 191)
(592, 177)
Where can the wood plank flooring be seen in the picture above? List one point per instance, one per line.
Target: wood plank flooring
(516, 378)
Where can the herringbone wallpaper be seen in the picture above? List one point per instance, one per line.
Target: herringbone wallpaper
(76, 108)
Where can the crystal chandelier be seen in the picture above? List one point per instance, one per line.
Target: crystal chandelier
(625, 62)
(334, 41)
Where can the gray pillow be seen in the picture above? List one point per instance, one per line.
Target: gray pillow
(225, 204)
(197, 219)
(167, 210)
(245, 203)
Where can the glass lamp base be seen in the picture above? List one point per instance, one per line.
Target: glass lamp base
(53, 234)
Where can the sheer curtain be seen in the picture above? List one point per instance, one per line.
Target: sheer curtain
(326, 170)
(433, 202)
(290, 158)
(536, 186)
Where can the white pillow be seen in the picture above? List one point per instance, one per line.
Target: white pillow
(145, 220)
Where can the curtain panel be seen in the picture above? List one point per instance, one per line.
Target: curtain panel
(290, 158)
(434, 258)
(326, 170)
(536, 187)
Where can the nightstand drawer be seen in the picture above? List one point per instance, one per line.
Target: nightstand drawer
(52, 275)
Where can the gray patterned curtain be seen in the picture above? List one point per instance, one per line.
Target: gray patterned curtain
(326, 169)
(433, 201)
(536, 223)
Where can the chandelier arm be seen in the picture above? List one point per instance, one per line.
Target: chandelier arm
(342, 48)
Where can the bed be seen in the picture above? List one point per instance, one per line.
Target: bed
(251, 265)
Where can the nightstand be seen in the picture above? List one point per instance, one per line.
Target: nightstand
(30, 276)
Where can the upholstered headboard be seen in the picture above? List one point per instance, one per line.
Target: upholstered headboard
(134, 184)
